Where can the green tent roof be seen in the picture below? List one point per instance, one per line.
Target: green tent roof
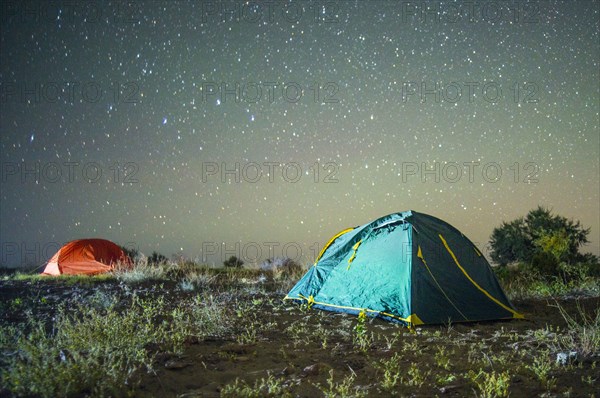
(408, 267)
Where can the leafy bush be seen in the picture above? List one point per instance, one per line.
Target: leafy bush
(233, 262)
(539, 231)
(131, 252)
(157, 259)
(523, 281)
(284, 270)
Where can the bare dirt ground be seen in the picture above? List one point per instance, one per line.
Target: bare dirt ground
(302, 349)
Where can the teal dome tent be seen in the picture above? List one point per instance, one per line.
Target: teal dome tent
(407, 267)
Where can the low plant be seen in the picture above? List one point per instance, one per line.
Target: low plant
(99, 351)
(541, 367)
(441, 358)
(96, 351)
(249, 334)
(410, 346)
(389, 342)
(490, 384)
(361, 337)
(322, 335)
(298, 331)
(444, 379)
(140, 272)
(583, 331)
(391, 372)
(344, 389)
(208, 316)
(416, 377)
(269, 387)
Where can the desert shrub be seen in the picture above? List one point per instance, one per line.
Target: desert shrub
(540, 231)
(524, 280)
(179, 270)
(96, 351)
(197, 280)
(583, 331)
(131, 252)
(233, 262)
(542, 263)
(263, 388)
(140, 272)
(283, 268)
(157, 259)
(345, 388)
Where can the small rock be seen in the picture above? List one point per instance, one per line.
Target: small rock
(316, 369)
(237, 348)
(563, 358)
(311, 370)
(175, 364)
(286, 371)
(447, 389)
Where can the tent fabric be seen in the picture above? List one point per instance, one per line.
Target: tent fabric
(407, 267)
(87, 257)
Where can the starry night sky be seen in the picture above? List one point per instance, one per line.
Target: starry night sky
(128, 121)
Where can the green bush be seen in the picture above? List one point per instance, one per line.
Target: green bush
(157, 259)
(543, 263)
(233, 262)
(539, 231)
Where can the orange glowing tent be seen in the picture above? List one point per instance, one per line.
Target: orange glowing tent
(86, 257)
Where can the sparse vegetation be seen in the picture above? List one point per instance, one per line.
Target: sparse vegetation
(131, 252)
(490, 384)
(343, 389)
(233, 262)
(269, 387)
(99, 350)
(117, 332)
(361, 338)
(541, 367)
(157, 259)
(582, 334)
(391, 370)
